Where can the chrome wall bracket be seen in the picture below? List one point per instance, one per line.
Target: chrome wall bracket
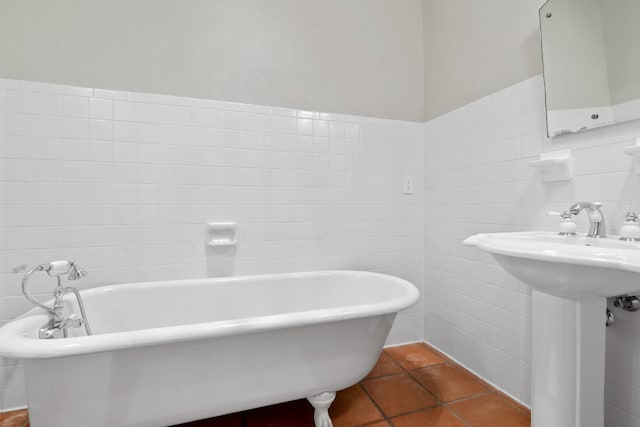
(610, 319)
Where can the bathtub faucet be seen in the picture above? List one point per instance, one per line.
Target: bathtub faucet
(58, 326)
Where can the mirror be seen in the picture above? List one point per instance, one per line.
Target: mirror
(591, 62)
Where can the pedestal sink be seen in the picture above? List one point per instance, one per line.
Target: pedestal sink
(571, 277)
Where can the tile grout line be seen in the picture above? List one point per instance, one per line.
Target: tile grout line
(444, 405)
(408, 373)
(456, 416)
(384, 416)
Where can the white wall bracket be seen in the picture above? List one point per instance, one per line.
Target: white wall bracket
(221, 234)
(554, 166)
(634, 151)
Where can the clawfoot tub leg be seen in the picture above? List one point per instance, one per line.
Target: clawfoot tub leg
(321, 403)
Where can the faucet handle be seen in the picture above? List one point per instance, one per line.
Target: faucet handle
(563, 214)
(76, 272)
(567, 226)
(56, 268)
(630, 230)
(566, 215)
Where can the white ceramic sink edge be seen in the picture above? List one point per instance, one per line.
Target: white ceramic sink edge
(566, 266)
(551, 247)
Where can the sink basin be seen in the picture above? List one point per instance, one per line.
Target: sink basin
(566, 266)
(571, 277)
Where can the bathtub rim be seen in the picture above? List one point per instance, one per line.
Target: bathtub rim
(15, 344)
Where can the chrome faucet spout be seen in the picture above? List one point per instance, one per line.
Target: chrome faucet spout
(597, 226)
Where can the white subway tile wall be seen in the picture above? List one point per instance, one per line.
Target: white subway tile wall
(125, 182)
(477, 180)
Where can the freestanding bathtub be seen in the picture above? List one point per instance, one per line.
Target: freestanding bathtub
(170, 352)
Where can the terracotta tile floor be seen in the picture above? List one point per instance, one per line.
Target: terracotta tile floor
(410, 386)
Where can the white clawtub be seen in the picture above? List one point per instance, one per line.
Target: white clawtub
(170, 352)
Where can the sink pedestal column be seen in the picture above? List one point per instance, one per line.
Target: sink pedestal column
(568, 345)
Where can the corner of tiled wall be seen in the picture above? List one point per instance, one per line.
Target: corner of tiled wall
(477, 180)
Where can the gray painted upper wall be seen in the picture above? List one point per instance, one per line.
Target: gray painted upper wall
(622, 46)
(364, 57)
(360, 57)
(474, 48)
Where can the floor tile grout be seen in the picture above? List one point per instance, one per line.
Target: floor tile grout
(444, 405)
(446, 361)
(384, 416)
(471, 396)
(458, 417)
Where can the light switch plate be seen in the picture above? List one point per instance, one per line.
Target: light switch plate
(408, 184)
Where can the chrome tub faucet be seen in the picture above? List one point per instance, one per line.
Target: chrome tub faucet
(58, 326)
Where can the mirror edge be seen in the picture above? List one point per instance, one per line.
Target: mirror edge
(544, 80)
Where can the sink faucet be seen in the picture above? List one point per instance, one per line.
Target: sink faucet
(597, 227)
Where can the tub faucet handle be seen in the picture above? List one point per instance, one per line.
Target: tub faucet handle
(58, 323)
(56, 268)
(76, 272)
